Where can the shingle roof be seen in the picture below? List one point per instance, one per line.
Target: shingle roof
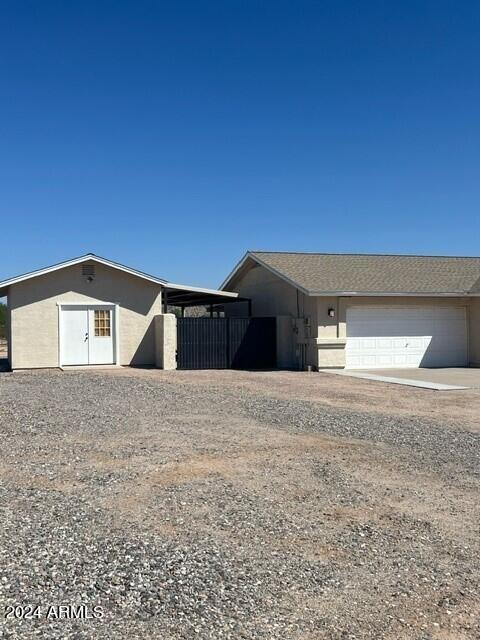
(358, 273)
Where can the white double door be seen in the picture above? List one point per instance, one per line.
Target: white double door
(87, 334)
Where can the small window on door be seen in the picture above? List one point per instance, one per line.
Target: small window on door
(102, 323)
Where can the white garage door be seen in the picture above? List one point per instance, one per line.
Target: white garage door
(389, 337)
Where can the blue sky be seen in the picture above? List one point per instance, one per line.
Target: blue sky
(174, 136)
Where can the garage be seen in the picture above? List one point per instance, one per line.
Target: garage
(410, 336)
(362, 310)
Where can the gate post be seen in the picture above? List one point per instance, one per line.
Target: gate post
(285, 343)
(166, 341)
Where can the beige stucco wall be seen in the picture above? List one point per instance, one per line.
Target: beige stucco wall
(330, 348)
(474, 332)
(327, 326)
(166, 341)
(270, 295)
(9, 333)
(34, 313)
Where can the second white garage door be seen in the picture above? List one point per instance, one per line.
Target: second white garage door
(397, 337)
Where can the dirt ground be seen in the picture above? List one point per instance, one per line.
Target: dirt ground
(461, 408)
(226, 504)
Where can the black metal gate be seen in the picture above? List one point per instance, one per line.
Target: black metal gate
(226, 343)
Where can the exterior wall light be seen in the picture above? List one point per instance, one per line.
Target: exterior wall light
(331, 312)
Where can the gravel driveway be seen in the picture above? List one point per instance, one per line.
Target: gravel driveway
(225, 505)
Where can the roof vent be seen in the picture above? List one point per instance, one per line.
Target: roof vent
(88, 271)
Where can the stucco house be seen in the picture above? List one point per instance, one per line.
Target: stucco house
(93, 311)
(365, 311)
(318, 310)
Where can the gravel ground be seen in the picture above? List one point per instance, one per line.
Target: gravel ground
(223, 510)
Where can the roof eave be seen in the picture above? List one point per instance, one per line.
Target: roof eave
(279, 274)
(235, 269)
(393, 294)
(79, 260)
(182, 287)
